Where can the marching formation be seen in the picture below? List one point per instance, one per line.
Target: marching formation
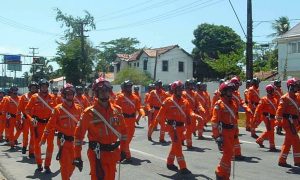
(180, 109)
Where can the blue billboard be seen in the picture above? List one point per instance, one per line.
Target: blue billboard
(12, 59)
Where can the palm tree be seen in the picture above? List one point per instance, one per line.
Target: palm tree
(280, 26)
(43, 70)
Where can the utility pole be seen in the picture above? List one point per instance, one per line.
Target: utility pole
(249, 48)
(155, 65)
(83, 52)
(33, 55)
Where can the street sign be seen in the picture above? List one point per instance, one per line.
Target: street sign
(14, 67)
(12, 59)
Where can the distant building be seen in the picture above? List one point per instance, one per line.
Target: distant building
(289, 51)
(173, 63)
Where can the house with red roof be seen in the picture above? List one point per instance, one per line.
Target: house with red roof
(172, 63)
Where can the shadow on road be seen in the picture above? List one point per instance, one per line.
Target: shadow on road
(139, 127)
(294, 170)
(136, 161)
(250, 159)
(41, 175)
(183, 177)
(162, 144)
(27, 160)
(197, 149)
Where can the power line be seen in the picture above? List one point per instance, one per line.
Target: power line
(170, 14)
(18, 25)
(237, 18)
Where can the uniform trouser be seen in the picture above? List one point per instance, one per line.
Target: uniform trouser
(11, 131)
(66, 160)
(37, 147)
(268, 134)
(224, 167)
(2, 127)
(200, 124)
(290, 140)
(176, 147)
(248, 119)
(189, 131)
(237, 144)
(108, 163)
(130, 124)
(162, 125)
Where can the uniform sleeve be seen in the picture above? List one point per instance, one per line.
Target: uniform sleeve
(29, 106)
(258, 112)
(215, 120)
(51, 125)
(280, 109)
(80, 131)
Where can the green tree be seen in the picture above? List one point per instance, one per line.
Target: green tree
(212, 40)
(78, 60)
(108, 51)
(227, 64)
(41, 69)
(133, 74)
(280, 26)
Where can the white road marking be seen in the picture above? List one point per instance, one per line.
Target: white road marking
(148, 154)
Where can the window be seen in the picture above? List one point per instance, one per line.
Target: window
(145, 64)
(180, 66)
(298, 47)
(292, 47)
(129, 64)
(137, 64)
(165, 65)
(134, 64)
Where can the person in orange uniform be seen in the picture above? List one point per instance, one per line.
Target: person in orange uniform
(248, 115)
(217, 94)
(253, 100)
(106, 131)
(191, 96)
(64, 119)
(225, 128)
(58, 98)
(39, 109)
(278, 94)
(267, 109)
(136, 91)
(33, 88)
(130, 104)
(288, 114)
(147, 108)
(87, 95)
(2, 115)
(175, 112)
(80, 98)
(10, 106)
(204, 100)
(155, 99)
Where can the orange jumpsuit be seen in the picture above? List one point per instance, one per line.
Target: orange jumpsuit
(82, 101)
(288, 114)
(253, 100)
(140, 99)
(278, 93)
(65, 126)
(175, 121)
(224, 124)
(193, 100)
(147, 108)
(204, 100)
(248, 115)
(10, 106)
(58, 99)
(2, 119)
(266, 111)
(36, 110)
(216, 97)
(130, 105)
(98, 132)
(26, 123)
(155, 100)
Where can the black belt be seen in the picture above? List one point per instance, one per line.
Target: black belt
(43, 121)
(129, 115)
(155, 107)
(104, 147)
(287, 116)
(227, 126)
(255, 104)
(268, 114)
(12, 115)
(67, 138)
(177, 123)
(246, 102)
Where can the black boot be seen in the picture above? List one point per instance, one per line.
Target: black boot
(279, 130)
(39, 168)
(24, 150)
(172, 167)
(218, 177)
(31, 156)
(47, 170)
(185, 171)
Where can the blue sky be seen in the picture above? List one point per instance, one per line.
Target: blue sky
(155, 23)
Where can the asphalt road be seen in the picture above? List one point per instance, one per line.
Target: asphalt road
(149, 161)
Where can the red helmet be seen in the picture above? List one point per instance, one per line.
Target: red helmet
(270, 87)
(235, 80)
(226, 85)
(292, 82)
(176, 84)
(68, 87)
(100, 83)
